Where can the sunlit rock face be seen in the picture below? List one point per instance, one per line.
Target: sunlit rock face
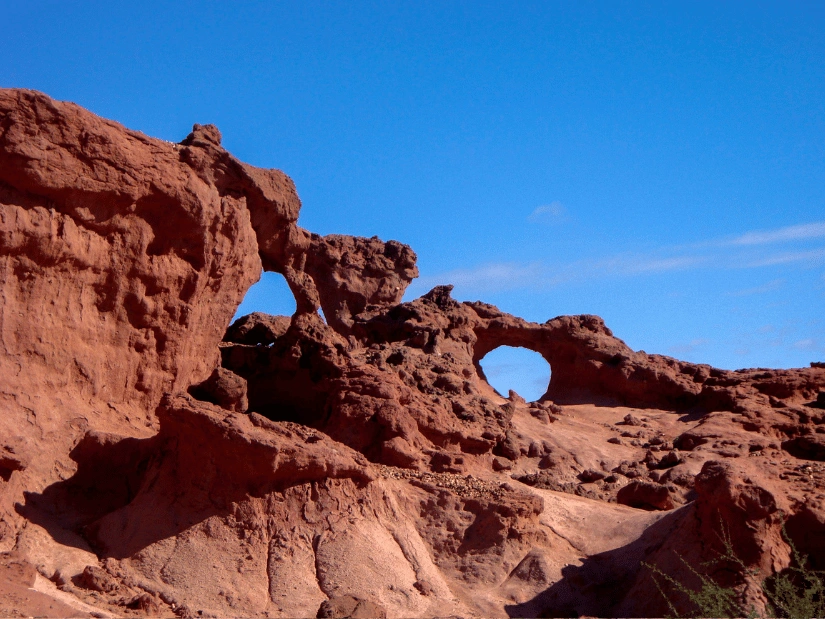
(156, 460)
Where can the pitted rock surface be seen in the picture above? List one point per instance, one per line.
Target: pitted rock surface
(156, 460)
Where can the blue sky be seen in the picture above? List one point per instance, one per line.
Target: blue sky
(658, 164)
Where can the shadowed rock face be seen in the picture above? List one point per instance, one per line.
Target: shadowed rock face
(155, 460)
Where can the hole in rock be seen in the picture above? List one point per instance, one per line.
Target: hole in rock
(271, 295)
(276, 388)
(524, 371)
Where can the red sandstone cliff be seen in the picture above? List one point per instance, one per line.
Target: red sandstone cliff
(153, 461)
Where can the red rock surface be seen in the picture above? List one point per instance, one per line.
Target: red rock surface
(155, 460)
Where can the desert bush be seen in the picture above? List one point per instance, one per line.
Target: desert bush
(797, 592)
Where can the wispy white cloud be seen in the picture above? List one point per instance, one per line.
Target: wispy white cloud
(743, 252)
(548, 213)
(799, 232)
(684, 349)
(486, 277)
(813, 256)
(806, 344)
(770, 286)
(652, 264)
(503, 276)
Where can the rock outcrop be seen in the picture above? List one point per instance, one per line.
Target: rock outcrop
(155, 460)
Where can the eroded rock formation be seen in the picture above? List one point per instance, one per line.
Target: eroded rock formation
(154, 462)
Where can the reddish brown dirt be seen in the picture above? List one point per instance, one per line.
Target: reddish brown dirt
(155, 462)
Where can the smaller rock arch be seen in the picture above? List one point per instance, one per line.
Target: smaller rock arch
(589, 364)
(494, 334)
(518, 369)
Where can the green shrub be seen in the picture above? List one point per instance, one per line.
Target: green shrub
(797, 593)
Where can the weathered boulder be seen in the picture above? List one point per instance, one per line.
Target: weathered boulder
(646, 495)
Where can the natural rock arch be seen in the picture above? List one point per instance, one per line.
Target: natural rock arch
(270, 294)
(532, 366)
